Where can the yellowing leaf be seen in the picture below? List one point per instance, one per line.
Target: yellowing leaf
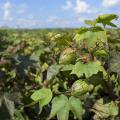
(105, 110)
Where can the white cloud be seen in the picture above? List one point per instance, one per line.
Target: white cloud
(27, 23)
(6, 11)
(11, 10)
(52, 19)
(110, 3)
(81, 19)
(55, 21)
(81, 6)
(68, 5)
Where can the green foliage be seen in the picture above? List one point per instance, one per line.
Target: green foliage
(91, 39)
(115, 62)
(101, 53)
(61, 106)
(61, 74)
(53, 71)
(76, 107)
(7, 107)
(43, 96)
(18, 115)
(87, 69)
(90, 22)
(106, 19)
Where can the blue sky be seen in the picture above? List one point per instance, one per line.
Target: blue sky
(53, 13)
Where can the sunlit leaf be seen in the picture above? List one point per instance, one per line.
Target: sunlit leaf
(87, 69)
(91, 39)
(106, 19)
(90, 22)
(43, 96)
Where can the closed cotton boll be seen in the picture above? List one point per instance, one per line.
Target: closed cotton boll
(67, 56)
(80, 87)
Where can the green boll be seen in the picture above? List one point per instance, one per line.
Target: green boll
(67, 56)
(80, 87)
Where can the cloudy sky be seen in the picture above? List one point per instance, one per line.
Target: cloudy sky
(53, 13)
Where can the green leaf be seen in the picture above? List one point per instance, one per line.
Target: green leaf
(90, 22)
(18, 115)
(59, 107)
(101, 53)
(96, 29)
(88, 69)
(82, 30)
(7, 107)
(76, 107)
(53, 70)
(67, 67)
(63, 113)
(114, 65)
(106, 19)
(61, 40)
(112, 24)
(38, 51)
(43, 96)
(90, 39)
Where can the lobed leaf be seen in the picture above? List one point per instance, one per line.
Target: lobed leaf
(43, 95)
(76, 107)
(58, 103)
(87, 69)
(91, 39)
